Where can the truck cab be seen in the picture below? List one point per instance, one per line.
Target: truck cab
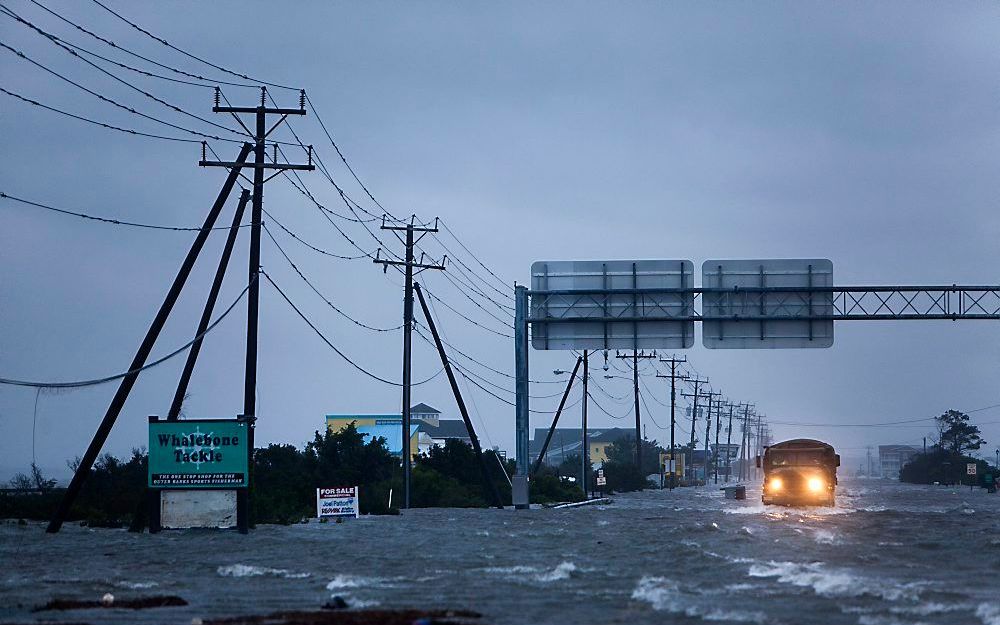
(799, 472)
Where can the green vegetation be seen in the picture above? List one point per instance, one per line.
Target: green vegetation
(945, 462)
(286, 479)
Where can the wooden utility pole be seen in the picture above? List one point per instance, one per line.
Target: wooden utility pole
(260, 164)
(635, 356)
(674, 361)
(409, 264)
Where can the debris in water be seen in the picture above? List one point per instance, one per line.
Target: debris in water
(355, 617)
(140, 603)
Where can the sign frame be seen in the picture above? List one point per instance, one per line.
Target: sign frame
(236, 475)
(338, 502)
(739, 312)
(613, 304)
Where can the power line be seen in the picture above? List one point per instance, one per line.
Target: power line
(310, 245)
(107, 220)
(121, 48)
(336, 350)
(481, 263)
(321, 296)
(186, 53)
(601, 408)
(115, 103)
(118, 376)
(95, 122)
(57, 42)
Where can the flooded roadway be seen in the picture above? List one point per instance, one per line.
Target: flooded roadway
(886, 554)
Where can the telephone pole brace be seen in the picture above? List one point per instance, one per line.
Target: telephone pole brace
(674, 361)
(409, 264)
(635, 356)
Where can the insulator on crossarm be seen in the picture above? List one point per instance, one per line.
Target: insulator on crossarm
(218, 95)
(204, 144)
(310, 151)
(302, 99)
(263, 94)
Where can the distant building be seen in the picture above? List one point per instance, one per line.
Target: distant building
(891, 459)
(567, 442)
(427, 428)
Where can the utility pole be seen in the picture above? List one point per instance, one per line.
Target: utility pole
(635, 356)
(674, 361)
(729, 442)
(718, 426)
(708, 429)
(697, 382)
(260, 164)
(585, 451)
(744, 444)
(408, 265)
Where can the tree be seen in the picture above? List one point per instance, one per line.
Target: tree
(956, 435)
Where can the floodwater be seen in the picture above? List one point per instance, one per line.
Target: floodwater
(886, 554)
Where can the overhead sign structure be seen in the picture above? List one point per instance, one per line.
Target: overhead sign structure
(337, 502)
(615, 304)
(739, 312)
(204, 453)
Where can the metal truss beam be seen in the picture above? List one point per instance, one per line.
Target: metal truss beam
(848, 303)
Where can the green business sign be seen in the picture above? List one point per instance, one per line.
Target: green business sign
(209, 453)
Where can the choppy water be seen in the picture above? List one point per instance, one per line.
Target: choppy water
(886, 554)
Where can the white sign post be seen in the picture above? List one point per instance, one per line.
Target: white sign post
(601, 480)
(337, 502)
(970, 469)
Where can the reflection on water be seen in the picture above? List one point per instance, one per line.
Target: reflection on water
(887, 553)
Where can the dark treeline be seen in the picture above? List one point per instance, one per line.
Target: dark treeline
(945, 462)
(286, 478)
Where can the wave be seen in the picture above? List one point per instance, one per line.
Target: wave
(989, 613)
(562, 571)
(136, 585)
(664, 595)
(248, 570)
(341, 582)
(832, 582)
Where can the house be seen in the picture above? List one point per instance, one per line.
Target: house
(567, 442)
(427, 428)
(891, 459)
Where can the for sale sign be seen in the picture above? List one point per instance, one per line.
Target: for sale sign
(337, 502)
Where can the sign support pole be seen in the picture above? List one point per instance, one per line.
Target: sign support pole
(520, 487)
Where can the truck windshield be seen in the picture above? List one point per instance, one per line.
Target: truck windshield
(796, 459)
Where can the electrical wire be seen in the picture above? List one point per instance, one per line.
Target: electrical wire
(108, 220)
(95, 122)
(114, 103)
(336, 350)
(119, 376)
(186, 53)
(321, 296)
(57, 42)
(309, 245)
(121, 48)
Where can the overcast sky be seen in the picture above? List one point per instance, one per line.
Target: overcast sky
(866, 134)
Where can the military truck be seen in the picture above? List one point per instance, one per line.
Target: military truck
(799, 472)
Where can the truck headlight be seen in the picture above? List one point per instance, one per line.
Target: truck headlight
(775, 483)
(815, 484)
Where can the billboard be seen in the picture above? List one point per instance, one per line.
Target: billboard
(337, 502)
(591, 304)
(739, 312)
(205, 453)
